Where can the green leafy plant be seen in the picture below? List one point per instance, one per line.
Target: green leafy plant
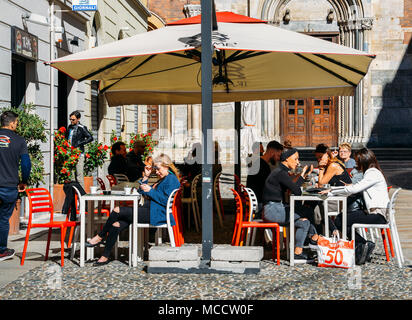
(148, 141)
(65, 157)
(113, 139)
(94, 157)
(33, 129)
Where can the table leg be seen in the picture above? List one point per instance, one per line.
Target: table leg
(291, 232)
(90, 227)
(344, 218)
(325, 209)
(82, 231)
(135, 222)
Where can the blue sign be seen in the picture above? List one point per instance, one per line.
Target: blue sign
(84, 5)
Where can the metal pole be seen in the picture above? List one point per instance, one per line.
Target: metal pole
(51, 181)
(207, 125)
(238, 114)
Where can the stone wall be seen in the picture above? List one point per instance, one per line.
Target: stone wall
(390, 108)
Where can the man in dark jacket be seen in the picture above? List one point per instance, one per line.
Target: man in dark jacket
(135, 164)
(118, 162)
(78, 136)
(13, 150)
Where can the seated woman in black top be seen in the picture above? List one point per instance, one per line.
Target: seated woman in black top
(276, 210)
(331, 169)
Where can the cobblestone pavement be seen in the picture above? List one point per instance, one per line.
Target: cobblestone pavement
(116, 281)
(377, 280)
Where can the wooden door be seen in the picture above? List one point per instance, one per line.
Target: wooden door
(308, 122)
(294, 122)
(322, 121)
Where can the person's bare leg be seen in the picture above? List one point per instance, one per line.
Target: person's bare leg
(103, 258)
(97, 238)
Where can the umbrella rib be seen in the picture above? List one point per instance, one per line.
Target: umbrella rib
(104, 68)
(149, 73)
(326, 69)
(134, 69)
(233, 56)
(341, 64)
(246, 55)
(191, 54)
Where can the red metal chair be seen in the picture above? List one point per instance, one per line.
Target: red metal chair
(103, 187)
(112, 180)
(40, 201)
(177, 215)
(241, 226)
(101, 183)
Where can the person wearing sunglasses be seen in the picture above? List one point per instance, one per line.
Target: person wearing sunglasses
(153, 211)
(78, 136)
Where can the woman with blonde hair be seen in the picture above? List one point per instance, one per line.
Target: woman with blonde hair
(153, 211)
(331, 170)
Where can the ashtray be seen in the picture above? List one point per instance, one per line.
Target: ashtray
(107, 192)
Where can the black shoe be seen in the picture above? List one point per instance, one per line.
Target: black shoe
(89, 245)
(98, 264)
(302, 258)
(371, 246)
(7, 254)
(360, 253)
(313, 244)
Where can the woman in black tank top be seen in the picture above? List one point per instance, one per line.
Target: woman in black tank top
(331, 169)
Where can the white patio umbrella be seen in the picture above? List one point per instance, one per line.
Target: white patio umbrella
(252, 61)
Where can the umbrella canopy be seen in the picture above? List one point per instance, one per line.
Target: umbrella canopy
(251, 61)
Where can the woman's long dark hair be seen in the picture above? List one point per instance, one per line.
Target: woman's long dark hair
(366, 159)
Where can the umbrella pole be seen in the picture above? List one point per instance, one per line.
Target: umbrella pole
(207, 125)
(238, 114)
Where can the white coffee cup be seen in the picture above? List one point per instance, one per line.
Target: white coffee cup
(127, 190)
(93, 189)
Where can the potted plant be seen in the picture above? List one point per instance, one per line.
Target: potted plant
(33, 129)
(65, 159)
(94, 157)
(148, 141)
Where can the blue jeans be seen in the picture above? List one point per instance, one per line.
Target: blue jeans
(8, 197)
(279, 213)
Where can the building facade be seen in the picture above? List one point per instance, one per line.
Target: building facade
(26, 47)
(378, 115)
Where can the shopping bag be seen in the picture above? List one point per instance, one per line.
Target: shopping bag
(335, 252)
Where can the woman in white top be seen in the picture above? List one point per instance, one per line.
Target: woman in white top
(375, 194)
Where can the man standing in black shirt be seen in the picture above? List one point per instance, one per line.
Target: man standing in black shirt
(13, 149)
(78, 136)
(259, 171)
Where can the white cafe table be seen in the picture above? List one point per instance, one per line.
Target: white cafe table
(114, 196)
(314, 197)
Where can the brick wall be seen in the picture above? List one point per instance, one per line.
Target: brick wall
(406, 20)
(169, 10)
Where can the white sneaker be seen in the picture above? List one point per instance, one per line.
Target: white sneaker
(7, 254)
